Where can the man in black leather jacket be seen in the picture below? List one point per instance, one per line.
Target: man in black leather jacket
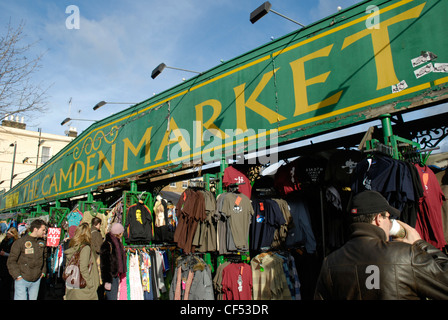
(370, 267)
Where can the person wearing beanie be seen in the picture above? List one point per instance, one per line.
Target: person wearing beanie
(112, 261)
(373, 266)
(116, 229)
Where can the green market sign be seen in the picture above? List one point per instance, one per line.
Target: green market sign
(373, 58)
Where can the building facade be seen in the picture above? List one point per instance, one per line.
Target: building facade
(23, 151)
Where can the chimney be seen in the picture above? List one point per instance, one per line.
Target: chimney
(72, 132)
(14, 123)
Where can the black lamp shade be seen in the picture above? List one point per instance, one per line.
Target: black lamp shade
(158, 70)
(260, 12)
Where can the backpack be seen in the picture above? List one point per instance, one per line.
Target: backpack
(72, 273)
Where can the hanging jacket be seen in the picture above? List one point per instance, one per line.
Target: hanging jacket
(192, 280)
(138, 226)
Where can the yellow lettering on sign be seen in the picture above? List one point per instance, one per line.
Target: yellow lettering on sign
(103, 161)
(252, 103)
(35, 188)
(301, 83)
(53, 184)
(24, 188)
(43, 183)
(146, 140)
(209, 124)
(63, 176)
(381, 46)
(77, 179)
(89, 167)
(178, 138)
(31, 191)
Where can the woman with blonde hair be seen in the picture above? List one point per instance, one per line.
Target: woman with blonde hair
(87, 265)
(7, 281)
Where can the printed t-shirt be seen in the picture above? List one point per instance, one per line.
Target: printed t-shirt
(266, 219)
(286, 180)
(232, 175)
(238, 209)
(237, 282)
(310, 169)
(341, 166)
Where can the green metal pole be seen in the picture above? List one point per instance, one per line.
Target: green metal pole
(133, 186)
(223, 167)
(387, 127)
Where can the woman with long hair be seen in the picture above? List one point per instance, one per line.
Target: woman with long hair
(88, 266)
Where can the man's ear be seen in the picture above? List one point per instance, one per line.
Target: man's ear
(376, 220)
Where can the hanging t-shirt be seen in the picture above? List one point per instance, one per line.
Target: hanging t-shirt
(302, 232)
(267, 218)
(232, 175)
(392, 178)
(237, 282)
(310, 169)
(377, 173)
(89, 215)
(74, 219)
(138, 226)
(341, 166)
(286, 180)
(442, 177)
(239, 211)
(410, 210)
(429, 219)
(190, 209)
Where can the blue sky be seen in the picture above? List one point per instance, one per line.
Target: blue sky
(118, 43)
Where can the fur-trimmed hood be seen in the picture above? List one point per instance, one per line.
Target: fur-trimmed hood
(191, 262)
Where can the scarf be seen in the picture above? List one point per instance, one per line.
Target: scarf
(119, 249)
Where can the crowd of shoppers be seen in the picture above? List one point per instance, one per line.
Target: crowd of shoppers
(101, 261)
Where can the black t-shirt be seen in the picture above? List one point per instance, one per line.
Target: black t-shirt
(310, 169)
(341, 166)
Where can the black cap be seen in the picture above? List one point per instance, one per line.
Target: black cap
(367, 202)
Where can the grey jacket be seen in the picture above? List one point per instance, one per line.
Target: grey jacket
(202, 282)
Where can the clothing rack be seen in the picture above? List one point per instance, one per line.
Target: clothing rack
(90, 204)
(197, 184)
(266, 191)
(233, 187)
(112, 206)
(164, 246)
(397, 147)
